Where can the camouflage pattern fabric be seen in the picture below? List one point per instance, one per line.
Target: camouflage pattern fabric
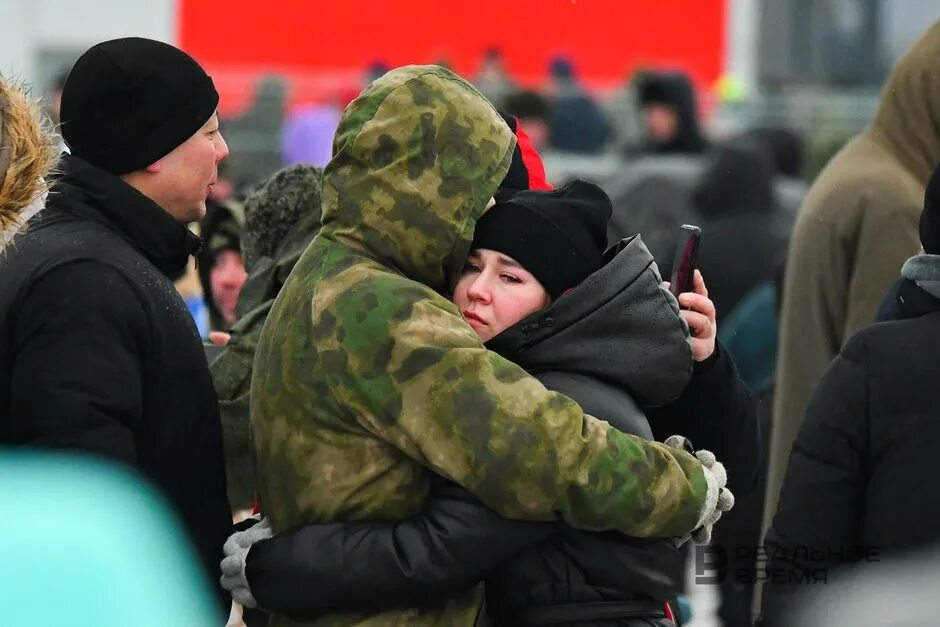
(282, 215)
(367, 380)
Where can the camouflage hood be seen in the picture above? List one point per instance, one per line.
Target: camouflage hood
(415, 159)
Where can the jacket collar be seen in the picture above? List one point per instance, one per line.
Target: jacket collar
(107, 199)
(919, 293)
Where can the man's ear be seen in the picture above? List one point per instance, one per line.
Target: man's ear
(154, 167)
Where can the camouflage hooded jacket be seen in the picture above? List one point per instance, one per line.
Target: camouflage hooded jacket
(367, 380)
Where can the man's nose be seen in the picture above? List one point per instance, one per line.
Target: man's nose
(221, 149)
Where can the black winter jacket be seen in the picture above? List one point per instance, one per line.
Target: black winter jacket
(859, 484)
(616, 338)
(99, 354)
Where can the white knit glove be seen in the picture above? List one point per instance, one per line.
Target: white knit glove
(233, 566)
(718, 498)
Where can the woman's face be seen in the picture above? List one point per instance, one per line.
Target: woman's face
(495, 292)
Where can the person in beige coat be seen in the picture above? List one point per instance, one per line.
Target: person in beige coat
(855, 229)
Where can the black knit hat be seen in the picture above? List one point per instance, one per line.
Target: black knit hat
(129, 102)
(930, 218)
(559, 236)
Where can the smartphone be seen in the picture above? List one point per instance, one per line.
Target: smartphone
(686, 257)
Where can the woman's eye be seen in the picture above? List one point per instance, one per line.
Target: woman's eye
(511, 279)
(469, 267)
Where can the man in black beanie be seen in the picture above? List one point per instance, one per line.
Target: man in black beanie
(98, 352)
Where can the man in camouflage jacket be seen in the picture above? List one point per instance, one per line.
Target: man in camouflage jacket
(367, 380)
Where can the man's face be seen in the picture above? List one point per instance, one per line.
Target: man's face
(227, 277)
(185, 176)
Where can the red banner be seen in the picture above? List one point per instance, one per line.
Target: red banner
(324, 45)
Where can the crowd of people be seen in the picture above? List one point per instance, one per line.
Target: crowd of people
(439, 387)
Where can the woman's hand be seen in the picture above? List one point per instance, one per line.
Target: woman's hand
(699, 312)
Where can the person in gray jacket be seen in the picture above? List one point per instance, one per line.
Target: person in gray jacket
(539, 289)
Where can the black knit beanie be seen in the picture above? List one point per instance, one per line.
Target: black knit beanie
(559, 236)
(930, 218)
(129, 102)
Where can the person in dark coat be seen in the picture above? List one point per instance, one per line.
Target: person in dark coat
(576, 122)
(98, 352)
(858, 487)
(537, 574)
(667, 100)
(853, 232)
(282, 216)
(736, 207)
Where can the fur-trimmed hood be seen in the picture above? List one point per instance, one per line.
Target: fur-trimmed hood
(27, 159)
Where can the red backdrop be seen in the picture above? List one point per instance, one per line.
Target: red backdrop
(325, 44)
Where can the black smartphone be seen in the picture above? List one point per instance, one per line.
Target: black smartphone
(684, 262)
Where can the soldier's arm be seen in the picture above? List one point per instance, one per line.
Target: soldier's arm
(435, 393)
(374, 566)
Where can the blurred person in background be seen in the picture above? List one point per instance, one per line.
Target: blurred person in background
(221, 267)
(368, 382)
(786, 150)
(526, 170)
(652, 194)
(628, 126)
(307, 134)
(860, 476)
(668, 104)
(576, 122)
(27, 161)
(853, 233)
(282, 216)
(54, 106)
(735, 205)
(98, 353)
(531, 109)
(493, 79)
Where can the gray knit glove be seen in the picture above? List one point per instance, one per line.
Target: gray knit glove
(233, 566)
(718, 498)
